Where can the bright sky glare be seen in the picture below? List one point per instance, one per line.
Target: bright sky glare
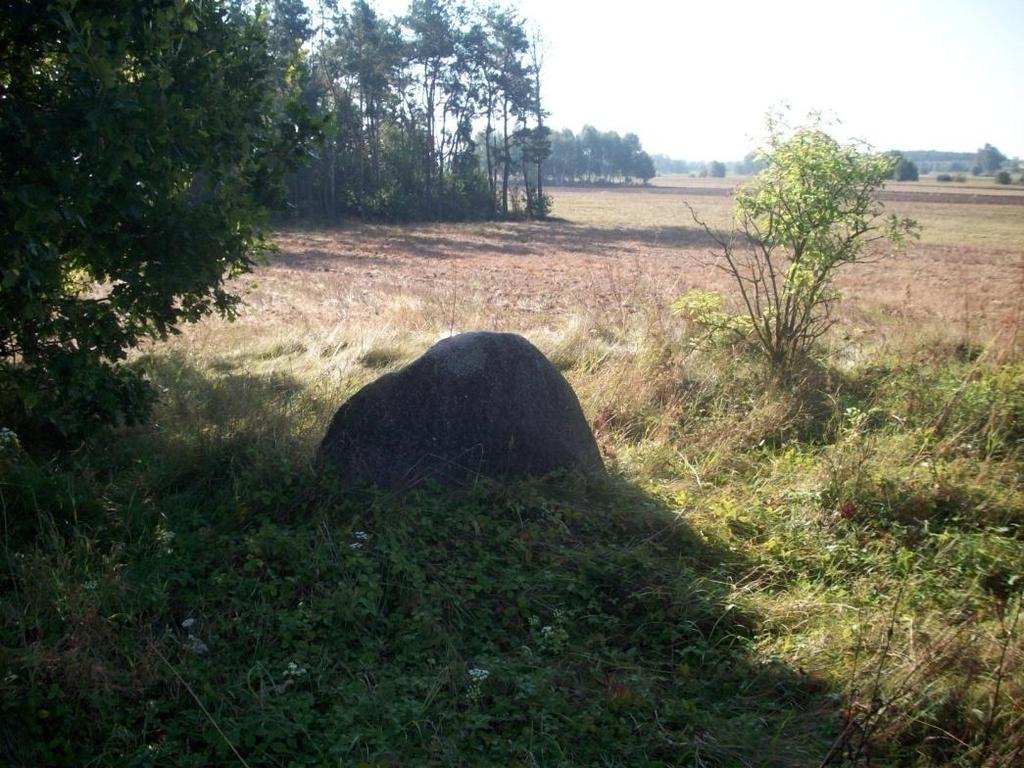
(694, 79)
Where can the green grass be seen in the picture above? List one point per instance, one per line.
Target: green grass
(764, 569)
(344, 629)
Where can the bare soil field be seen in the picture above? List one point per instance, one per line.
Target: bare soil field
(972, 186)
(930, 194)
(614, 252)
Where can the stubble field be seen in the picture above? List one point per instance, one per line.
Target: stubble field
(616, 252)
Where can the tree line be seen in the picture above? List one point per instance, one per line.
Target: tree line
(400, 98)
(986, 161)
(750, 165)
(595, 156)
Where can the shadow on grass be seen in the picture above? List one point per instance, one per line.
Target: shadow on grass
(554, 621)
(378, 246)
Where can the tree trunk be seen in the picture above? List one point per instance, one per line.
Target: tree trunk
(506, 161)
(540, 122)
(526, 185)
(490, 161)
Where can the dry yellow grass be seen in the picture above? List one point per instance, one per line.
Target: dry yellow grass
(612, 255)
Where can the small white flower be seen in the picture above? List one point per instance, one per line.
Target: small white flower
(361, 535)
(8, 438)
(164, 536)
(188, 623)
(90, 585)
(546, 631)
(355, 545)
(477, 676)
(294, 670)
(197, 646)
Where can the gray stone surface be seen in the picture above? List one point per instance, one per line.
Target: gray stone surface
(474, 405)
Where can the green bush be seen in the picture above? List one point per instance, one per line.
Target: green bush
(140, 146)
(905, 170)
(810, 211)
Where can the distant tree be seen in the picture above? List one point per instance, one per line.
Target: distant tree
(563, 164)
(591, 153)
(629, 155)
(904, 170)
(533, 146)
(636, 164)
(751, 164)
(989, 159)
(934, 156)
(431, 50)
(509, 46)
(596, 156)
(366, 55)
(665, 164)
(140, 144)
(615, 155)
(643, 167)
(811, 211)
(1003, 177)
(540, 140)
(716, 169)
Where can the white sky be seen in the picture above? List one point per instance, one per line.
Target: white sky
(694, 79)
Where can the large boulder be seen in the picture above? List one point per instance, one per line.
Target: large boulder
(474, 405)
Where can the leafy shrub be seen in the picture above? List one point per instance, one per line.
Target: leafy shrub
(1003, 177)
(704, 309)
(140, 146)
(74, 395)
(809, 212)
